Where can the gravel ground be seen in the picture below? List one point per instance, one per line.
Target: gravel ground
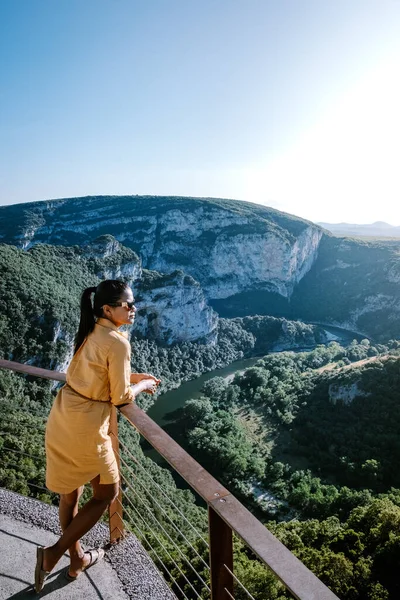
(139, 578)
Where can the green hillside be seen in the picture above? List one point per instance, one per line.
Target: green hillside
(353, 277)
(313, 440)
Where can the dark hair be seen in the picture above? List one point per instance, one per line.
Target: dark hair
(107, 292)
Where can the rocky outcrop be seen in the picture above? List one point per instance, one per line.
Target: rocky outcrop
(112, 260)
(172, 308)
(345, 393)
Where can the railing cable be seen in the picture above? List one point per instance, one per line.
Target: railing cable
(21, 452)
(161, 544)
(134, 525)
(165, 513)
(239, 582)
(166, 533)
(22, 424)
(163, 493)
(40, 487)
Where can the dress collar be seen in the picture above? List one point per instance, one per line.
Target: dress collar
(108, 324)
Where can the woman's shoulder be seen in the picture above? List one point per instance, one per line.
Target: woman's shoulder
(119, 342)
(108, 337)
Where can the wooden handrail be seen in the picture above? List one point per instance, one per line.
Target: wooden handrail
(223, 508)
(30, 370)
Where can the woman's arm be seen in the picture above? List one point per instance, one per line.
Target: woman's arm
(119, 373)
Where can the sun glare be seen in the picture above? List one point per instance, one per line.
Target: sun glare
(348, 161)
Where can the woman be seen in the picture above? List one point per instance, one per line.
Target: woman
(78, 447)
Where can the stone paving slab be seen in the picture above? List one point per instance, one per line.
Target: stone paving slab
(25, 523)
(18, 543)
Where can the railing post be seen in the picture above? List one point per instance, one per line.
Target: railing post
(115, 520)
(221, 554)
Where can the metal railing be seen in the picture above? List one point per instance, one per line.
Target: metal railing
(211, 553)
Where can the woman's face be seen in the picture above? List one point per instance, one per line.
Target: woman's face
(123, 314)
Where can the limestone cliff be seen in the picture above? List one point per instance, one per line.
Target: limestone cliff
(109, 259)
(345, 393)
(172, 308)
(228, 246)
(248, 259)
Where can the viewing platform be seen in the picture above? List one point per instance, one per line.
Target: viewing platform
(25, 523)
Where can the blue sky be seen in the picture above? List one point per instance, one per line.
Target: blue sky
(288, 103)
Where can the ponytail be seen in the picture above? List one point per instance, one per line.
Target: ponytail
(87, 320)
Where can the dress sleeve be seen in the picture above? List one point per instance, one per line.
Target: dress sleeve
(119, 372)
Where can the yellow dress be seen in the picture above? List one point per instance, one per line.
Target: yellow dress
(78, 447)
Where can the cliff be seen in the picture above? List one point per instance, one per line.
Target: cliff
(228, 246)
(247, 260)
(172, 308)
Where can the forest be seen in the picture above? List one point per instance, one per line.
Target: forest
(319, 469)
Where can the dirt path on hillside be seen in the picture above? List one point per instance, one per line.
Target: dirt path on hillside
(358, 363)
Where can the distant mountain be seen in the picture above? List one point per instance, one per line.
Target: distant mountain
(228, 246)
(238, 258)
(377, 229)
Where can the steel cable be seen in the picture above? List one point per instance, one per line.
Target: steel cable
(167, 516)
(162, 545)
(163, 493)
(239, 582)
(153, 550)
(21, 452)
(22, 424)
(165, 532)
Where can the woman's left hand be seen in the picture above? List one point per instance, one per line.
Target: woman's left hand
(136, 377)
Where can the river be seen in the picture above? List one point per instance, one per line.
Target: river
(161, 412)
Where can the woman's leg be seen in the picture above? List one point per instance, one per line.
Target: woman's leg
(68, 509)
(84, 520)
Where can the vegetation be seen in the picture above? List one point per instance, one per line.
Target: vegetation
(282, 438)
(39, 299)
(349, 276)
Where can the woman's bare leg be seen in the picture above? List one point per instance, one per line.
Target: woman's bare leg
(68, 509)
(84, 520)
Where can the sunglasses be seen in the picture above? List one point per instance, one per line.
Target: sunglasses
(129, 305)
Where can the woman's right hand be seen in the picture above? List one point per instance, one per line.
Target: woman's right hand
(148, 385)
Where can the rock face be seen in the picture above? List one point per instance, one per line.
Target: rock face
(172, 308)
(228, 246)
(112, 260)
(345, 393)
(354, 285)
(248, 259)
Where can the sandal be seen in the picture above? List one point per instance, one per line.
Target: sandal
(40, 574)
(95, 555)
